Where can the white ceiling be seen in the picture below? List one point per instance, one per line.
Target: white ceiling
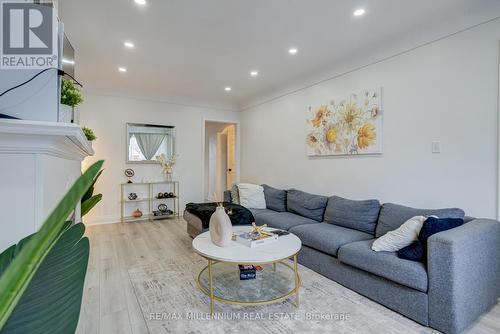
(189, 50)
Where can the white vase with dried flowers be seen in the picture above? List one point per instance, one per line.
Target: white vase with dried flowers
(167, 163)
(221, 229)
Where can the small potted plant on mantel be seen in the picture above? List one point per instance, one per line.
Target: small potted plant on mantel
(89, 134)
(70, 98)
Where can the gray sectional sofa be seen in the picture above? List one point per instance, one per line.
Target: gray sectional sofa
(461, 277)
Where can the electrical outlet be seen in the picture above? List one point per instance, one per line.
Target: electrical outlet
(436, 147)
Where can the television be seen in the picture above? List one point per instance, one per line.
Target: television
(68, 59)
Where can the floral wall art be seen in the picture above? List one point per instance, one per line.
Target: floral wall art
(346, 126)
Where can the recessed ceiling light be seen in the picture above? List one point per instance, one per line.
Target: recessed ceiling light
(129, 45)
(122, 69)
(140, 2)
(254, 73)
(293, 51)
(227, 89)
(359, 12)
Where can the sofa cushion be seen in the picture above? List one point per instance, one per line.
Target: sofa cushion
(358, 215)
(328, 238)
(282, 220)
(275, 198)
(393, 215)
(257, 212)
(384, 264)
(306, 205)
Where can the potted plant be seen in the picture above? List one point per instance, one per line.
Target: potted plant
(89, 134)
(42, 277)
(70, 98)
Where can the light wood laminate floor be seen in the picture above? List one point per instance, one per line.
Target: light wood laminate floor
(109, 302)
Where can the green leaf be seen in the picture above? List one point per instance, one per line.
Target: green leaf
(8, 255)
(90, 192)
(90, 203)
(52, 301)
(16, 278)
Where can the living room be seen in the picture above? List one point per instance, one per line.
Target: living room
(220, 166)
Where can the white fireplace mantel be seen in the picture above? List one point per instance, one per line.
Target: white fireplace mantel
(56, 139)
(39, 161)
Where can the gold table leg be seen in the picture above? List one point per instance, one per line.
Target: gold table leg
(210, 283)
(297, 280)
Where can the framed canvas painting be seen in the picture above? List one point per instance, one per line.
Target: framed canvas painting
(346, 126)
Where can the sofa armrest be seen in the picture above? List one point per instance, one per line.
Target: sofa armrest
(464, 274)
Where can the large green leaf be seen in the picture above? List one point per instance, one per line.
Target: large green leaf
(90, 203)
(16, 278)
(10, 253)
(90, 192)
(51, 303)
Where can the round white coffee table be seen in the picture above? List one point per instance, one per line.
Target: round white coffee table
(220, 279)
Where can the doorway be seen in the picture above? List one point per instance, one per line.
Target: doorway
(220, 159)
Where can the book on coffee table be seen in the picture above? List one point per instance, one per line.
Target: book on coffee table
(253, 239)
(247, 272)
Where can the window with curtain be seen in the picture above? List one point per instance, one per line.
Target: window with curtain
(146, 142)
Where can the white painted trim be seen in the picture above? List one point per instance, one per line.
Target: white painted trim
(176, 101)
(101, 220)
(498, 133)
(238, 149)
(57, 139)
(38, 200)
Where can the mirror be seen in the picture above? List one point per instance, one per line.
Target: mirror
(146, 141)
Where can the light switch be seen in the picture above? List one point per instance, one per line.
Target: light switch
(436, 147)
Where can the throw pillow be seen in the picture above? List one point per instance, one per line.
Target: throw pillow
(393, 215)
(417, 251)
(275, 198)
(413, 252)
(251, 196)
(235, 195)
(401, 237)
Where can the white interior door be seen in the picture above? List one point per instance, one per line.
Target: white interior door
(231, 156)
(221, 166)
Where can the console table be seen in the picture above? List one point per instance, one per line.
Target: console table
(147, 200)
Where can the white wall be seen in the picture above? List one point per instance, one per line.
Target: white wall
(108, 115)
(445, 91)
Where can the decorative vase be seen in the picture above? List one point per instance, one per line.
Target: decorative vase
(221, 229)
(137, 213)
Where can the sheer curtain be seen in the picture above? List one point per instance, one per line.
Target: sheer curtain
(149, 143)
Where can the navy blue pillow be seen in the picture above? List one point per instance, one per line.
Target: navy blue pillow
(417, 251)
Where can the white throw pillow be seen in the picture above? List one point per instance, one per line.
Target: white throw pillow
(394, 240)
(251, 196)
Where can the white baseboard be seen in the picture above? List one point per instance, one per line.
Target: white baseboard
(101, 220)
